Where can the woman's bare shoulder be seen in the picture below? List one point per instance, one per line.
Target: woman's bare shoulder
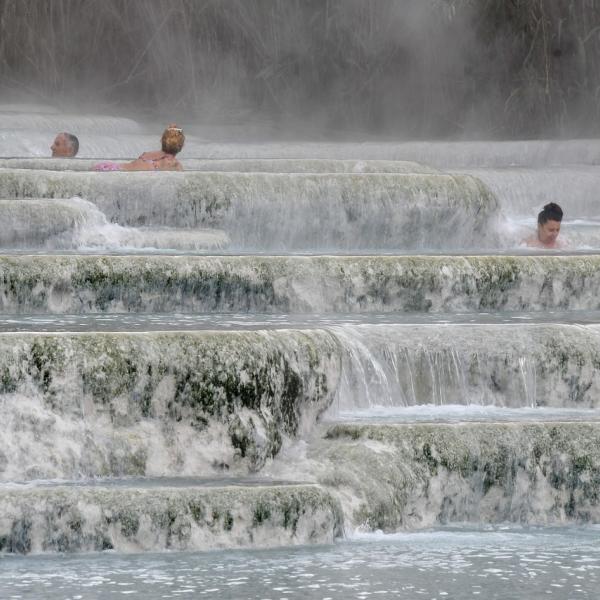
(169, 163)
(154, 155)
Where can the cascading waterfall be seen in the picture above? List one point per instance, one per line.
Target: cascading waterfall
(287, 212)
(349, 360)
(159, 404)
(61, 389)
(76, 224)
(529, 365)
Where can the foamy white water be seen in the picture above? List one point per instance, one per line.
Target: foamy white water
(75, 224)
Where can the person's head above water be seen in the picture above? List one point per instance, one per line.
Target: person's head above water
(172, 139)
(65, 145)
(548, 227)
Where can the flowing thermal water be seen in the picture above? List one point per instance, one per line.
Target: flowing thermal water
(340, 347)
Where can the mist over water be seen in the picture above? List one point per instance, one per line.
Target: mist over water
(409, 68)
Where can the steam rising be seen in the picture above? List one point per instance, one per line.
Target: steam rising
(416, 68)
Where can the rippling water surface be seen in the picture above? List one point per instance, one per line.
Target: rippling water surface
(218, 321)
(433, 413)
(498, 563)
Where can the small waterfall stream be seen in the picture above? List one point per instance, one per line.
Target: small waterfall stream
(288, 345)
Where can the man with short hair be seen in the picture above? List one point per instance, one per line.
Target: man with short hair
(548, 228)
(65, 145)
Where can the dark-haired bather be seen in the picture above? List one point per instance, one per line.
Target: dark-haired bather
(548, 228)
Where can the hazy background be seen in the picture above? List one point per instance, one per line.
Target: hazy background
(338, 68)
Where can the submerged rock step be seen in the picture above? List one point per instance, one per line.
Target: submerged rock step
(79, 519)
(274, 211)
(297, 284)
(158, 404)
(416, 476)
(439, 154)
(243, 165)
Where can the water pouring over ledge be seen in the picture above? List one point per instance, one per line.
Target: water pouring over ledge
(343, 205)
(290, 424)
(407, 69)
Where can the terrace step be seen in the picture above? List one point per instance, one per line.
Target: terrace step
(413, 476)
(76, 284)
(286, 211)
(143, 517)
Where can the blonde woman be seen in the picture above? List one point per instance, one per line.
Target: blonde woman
(160, 160)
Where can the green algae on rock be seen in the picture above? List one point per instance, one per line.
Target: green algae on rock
(413, 210)
(203, 401)
(272, 284)
(129, 519)
(529, 365)
(417, 476)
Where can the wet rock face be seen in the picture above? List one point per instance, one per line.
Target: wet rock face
(61, 519)
(417, 476)
(209, 401)
(226, 402)
(272, 284)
